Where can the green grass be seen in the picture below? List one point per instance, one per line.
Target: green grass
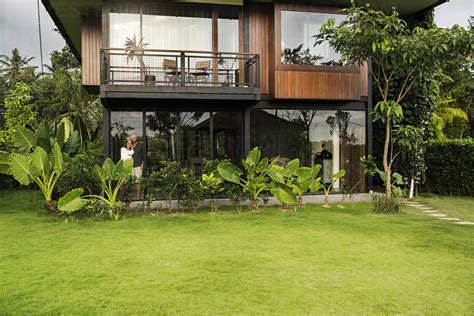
(460, 207)
(313, 261)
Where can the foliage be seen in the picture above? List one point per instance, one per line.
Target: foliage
(79, 173)
(299, 56)
(135, 49)
(450, 167)
(397, 54)
(446, 116)
(72, 201)
(254, 181)
(112, 177)
(327, 188)
(172, 182)
(34, 164)
(371, 168)
(212, 185)
(381, 204)
(18, 112)
(293, 179)
(16, 69)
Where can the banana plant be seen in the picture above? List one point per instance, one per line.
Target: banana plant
(254, 181)
(212, 185)
(299, 179)
(338, 175)
(112, 177)
(39, 167)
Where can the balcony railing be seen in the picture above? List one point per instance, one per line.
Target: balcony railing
(150, 67)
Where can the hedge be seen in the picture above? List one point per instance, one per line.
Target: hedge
(450, 167)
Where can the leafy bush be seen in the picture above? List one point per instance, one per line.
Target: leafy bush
(382, 204)
(255, 180)
(172, 182)
(79, 173)
(450, 167)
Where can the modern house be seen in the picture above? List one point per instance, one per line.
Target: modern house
(211, 79)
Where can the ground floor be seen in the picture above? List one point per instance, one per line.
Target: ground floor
(335, 135)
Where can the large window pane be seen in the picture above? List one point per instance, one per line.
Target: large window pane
(180, 136)
(334, 139)
(228, 35)
(228, 141)
(297, 42)
(124, 125)
(177, 32)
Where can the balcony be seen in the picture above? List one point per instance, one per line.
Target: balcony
(179, 75)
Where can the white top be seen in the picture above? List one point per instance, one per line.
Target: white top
(125, 153)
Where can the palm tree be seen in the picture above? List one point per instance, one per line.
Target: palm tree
(134, 48)
(12, 68)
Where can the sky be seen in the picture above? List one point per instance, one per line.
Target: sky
(19, 26)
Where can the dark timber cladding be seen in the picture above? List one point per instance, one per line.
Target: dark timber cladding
(91, 37)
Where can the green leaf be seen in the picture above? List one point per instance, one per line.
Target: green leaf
(341, 173)
(316, 185)
(4, 162)
(276, 173)
(229, 172)
(20, 168)
(253, 157)
(60, 133)
(72, 201)
(293, 165)
(57, 158)
(109, 168)
(40, 162)
(283, 193)
(127, 169)
(72, 143)
(304, 173)
(24, 138)
(262, 165)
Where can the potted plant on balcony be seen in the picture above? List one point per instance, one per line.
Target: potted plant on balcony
(134, 48)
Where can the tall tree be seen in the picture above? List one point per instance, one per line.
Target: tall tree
(16, 68)
(397, 54)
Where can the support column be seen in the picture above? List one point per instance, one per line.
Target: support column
(106, 131)
(246, 131)
(368, 122)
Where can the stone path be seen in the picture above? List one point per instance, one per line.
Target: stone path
(432, 212)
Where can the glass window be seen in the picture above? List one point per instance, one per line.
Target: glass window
(124, 125)
(334, 139)
(228, 138)
(228, 35)
(297, 42)
(180, 136)
(177, 32)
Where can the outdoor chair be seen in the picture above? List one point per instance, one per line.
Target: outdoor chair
(171, 71)
(201, 72)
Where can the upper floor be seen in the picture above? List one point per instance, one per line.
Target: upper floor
(212, 50)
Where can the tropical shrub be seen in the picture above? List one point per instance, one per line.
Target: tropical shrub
(189, 190)
(291, 180)
(254, 181)
(381, 204)
(327, 188)
(450, 167)
(212, 185)
(79, 173)
(112, 177)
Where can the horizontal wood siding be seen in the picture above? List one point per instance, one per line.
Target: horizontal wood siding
(314, 82)
(322, 85)
(91, 36)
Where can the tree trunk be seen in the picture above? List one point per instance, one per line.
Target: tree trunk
(254, 204)
(300, 200)
(386, 166)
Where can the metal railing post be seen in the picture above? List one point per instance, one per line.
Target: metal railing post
(102, 67)
(257, 76)
(183, 69)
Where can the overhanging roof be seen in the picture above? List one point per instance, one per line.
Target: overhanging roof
(66, 14)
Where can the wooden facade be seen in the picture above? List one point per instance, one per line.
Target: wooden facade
(91, 40)
(259, 28)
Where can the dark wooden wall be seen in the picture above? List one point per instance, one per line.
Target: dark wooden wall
(91, 41)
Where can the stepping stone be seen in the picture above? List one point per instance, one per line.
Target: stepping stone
(449, 218)
(464, 223)
(439, 215)
(433, 211)
(425, 208)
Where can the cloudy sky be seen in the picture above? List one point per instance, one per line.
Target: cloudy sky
(19, 25)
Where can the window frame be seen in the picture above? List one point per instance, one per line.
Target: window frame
(308, 68)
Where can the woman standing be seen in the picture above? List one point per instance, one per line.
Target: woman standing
(127, 152)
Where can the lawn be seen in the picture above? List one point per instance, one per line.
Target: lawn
(313, 261)
(460, 207)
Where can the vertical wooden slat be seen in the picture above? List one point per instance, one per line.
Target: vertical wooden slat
(91, 39)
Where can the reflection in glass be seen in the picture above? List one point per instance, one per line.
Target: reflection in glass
(228, 140)
(335, 139)
(123, 125)
(181, 136)
(297, 42)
